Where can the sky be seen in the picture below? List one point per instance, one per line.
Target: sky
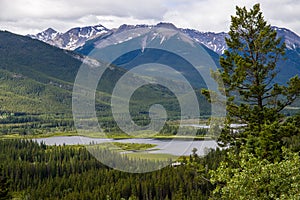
(33, 16)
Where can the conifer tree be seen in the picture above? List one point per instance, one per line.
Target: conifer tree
(248, 69)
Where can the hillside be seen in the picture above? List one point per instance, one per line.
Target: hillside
(36, 83)
(35, 77)
(38, 78)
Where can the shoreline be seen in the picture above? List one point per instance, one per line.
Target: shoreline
(115, 136)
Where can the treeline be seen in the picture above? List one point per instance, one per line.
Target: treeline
(169, 128)
(37, 171)
(30, 124)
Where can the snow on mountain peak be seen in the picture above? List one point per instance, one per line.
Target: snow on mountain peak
(73, 38)
(46, 35)
(291, 39)
(77, 37)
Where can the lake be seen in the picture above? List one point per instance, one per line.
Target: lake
(165, 146)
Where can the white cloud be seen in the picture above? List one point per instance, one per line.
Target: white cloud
(31, 16)
(283, 13)
(202, 15)
(215, 15)
(64, 9)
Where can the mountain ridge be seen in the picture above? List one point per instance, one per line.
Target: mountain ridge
(213, 43)
(73, 38)
(77, 37)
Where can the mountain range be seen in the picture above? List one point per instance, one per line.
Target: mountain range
(83, 40)
(77, 37)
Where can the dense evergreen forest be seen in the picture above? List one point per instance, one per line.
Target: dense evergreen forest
(37, 171)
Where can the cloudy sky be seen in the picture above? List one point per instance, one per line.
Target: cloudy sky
(32, 16)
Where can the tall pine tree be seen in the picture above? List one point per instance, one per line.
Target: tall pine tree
(248, 69)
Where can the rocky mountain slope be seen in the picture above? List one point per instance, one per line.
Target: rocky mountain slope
(71, 39)
(77, 37)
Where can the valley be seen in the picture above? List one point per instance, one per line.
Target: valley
(154, 112)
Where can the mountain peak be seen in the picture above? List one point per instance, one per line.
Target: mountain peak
(166, 25)
(50, 30)
(73, 38)
(47, 35)
(291, 39)
(161, 24)
(99, 27)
